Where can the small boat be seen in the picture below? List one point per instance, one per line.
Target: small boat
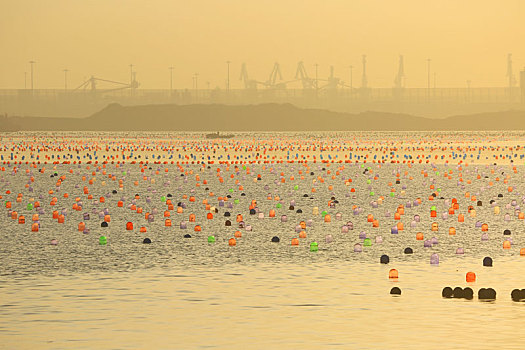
(218, 136)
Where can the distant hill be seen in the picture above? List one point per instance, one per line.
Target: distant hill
(262, 117)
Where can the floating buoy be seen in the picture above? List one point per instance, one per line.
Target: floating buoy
(102, 240)
(515, 295)
(275, 239)
(384, 259)
(232, 242)
(211, 239)
(395, 291)
(447, 292)
(393, 274)
(314, 247)
(487, 261)
(487, 293)
(471, 277)
(458, 293)
(468, 293)
(146, 241)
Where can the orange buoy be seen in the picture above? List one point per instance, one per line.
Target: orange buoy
(232, 242)
(237, 234)
(451, 231)
(506, 245)
(393, 274)
(129, 226)
(295, 241)
(419, 236)
(471, 277)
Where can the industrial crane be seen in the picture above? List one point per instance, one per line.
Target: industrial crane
(398, 82)
(308, 83)
(332, 82)
(93, 81)
(272, 81)
(248, 83)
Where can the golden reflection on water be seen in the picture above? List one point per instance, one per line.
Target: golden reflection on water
(256, 306)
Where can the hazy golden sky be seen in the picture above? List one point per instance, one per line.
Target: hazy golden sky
(466, 40)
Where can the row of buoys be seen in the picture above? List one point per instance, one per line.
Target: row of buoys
(468, 293)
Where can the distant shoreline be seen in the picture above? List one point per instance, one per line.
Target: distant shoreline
(263, 118)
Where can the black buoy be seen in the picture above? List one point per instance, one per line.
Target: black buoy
(299, 211)
(515, 295)
(486, 293)
(104, 224)
(291, 207)
(252, 212)
(408, 250)
(468, 293)
(169, 195)
(447, 292)
(482, 293)
(384, 259)
(243, 194)
(458, 292)
(275, 239)
(187, 235)
(506, 232)
(228, 223)
(146, 241)
(305, 195)
(114, 191)
(480, 203)
(487, 261)
(395, 291)
(500, 195)
(229, 196)
(522, 294)
(227, 213)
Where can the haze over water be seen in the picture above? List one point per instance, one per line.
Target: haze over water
(144, 218)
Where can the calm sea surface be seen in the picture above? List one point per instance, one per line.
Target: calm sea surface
(186, 293)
